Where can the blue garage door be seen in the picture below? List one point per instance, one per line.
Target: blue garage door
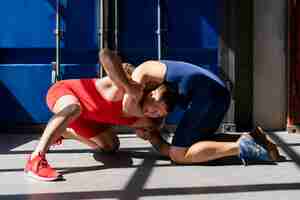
(27, 47)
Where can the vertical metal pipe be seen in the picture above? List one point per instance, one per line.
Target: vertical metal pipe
(116, 31)
(58, 33)
(101, 31)
(101, 23)
(158, 32)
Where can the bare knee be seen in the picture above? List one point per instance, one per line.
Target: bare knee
(72, 111)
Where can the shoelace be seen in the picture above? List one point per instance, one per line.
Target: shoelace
(58, 141)
(43, 162)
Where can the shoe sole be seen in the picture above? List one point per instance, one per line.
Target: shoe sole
(262, 138)
(32, 175)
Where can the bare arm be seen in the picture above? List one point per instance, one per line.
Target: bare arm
(154, 137)
(113, 67)
(159, 144)
(149, 129)
(150, 74)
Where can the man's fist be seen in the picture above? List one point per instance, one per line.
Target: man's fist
(135, 90)
(143, 133)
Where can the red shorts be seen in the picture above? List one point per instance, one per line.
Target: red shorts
(56, 91)
(96, 113)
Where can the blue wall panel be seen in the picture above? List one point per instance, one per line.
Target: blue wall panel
(75, 71)
(192, 32)
(27, 39)
(81, 24)
(27, 24)
(23, 89)
(31, 23)
(137, 38)
(27, 31)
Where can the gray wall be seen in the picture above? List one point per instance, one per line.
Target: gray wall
(269, 73)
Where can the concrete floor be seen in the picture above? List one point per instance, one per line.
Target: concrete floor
(137, 172)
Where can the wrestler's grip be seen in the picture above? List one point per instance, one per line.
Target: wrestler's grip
(160, 144)
(156, 140)
(131, 106)
(135, 90)
(143, 133)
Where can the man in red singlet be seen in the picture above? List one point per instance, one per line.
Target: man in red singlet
(86, 109)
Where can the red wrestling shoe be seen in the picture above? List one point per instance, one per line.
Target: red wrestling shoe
(39, 169)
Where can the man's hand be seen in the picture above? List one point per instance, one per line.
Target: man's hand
(143, 133)
(135, 90)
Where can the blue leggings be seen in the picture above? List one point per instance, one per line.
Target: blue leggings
(202, 118)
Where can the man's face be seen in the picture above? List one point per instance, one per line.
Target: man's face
(152, 107)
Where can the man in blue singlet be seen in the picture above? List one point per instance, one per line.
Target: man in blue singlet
(205, 101)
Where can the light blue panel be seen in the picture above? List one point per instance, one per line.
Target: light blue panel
(27, 24)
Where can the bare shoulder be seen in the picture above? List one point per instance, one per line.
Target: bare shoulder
(152, 65)
(108, 90)
(150, 71)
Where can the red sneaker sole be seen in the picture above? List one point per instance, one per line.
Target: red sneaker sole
(40, 178)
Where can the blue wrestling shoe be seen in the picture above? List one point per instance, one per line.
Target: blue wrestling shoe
(251, 151)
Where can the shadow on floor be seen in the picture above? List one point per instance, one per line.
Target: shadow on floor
(286, 148)
(128, 195)
(13, 141)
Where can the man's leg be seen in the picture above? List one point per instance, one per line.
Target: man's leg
(249, 146)
(73, 135)
(66, 109)
(96, 136)
(107, 141)
(204, 151)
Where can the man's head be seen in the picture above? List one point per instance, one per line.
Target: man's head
(158, 102)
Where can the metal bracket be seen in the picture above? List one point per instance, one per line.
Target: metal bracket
(59, 33)
(228, 127)
(294, 129)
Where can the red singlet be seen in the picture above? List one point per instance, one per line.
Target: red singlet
(96, 110)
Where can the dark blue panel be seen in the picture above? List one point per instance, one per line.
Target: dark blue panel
(75, 71)
(26, 55)
(192, 31)
(138, 40)
(81, 24)
(23, 92)
(37, 56)
(195, 24)
(79, 56)
(193, 34)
